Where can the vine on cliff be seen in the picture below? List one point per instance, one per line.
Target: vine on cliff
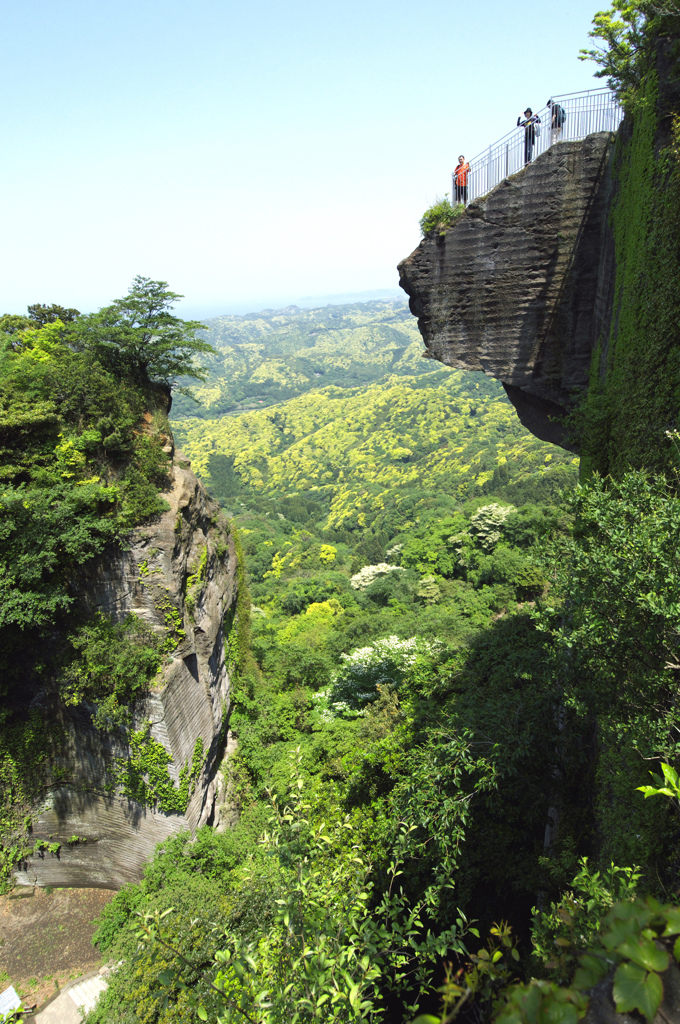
(634, 394)
(144, 777)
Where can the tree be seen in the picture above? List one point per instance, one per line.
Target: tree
(137, 338)
(624, 37)
(11, 323)
(41, 314)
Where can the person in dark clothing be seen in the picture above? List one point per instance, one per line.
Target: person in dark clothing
(529, 122)
(558, 116)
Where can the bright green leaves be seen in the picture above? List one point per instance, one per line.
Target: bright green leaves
(46, 536)
(333, 945)
(630, 946)
(622, 58)
(143, 775)
(440, 216)
(666, 786)
(76, 476)
(636, 989)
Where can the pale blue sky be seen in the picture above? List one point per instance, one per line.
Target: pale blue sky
(251, 154)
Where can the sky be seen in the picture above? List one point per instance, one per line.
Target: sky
(255, 154)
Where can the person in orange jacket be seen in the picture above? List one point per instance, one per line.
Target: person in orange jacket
(460, 179)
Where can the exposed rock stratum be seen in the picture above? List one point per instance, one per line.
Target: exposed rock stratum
(520, 287)
(190, 697)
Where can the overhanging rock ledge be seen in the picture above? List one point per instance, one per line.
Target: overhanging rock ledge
(521, 286)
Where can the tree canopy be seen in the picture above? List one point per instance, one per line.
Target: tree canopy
(139, 339)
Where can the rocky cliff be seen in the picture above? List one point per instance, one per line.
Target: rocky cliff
(520, 287)
(179, 574)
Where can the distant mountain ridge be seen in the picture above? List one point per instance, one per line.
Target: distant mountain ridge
(271, 356)
(339, 401)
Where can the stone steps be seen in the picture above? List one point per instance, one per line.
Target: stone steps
(86, 993)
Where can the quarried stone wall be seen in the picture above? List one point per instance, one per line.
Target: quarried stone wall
(190, 698)
(520, 287)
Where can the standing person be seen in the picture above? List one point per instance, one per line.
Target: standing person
(558, 116)
(460, 178)
(530, 123)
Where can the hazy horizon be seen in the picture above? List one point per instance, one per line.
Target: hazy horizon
(251, 153)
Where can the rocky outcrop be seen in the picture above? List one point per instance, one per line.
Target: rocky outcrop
(520, 287)
(179, 575)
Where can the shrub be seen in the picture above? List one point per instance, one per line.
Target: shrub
(440, 216)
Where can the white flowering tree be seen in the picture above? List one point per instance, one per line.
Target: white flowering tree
(370, 573)
(385, 662)
(487, 523)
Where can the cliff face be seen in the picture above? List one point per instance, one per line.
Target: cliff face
(179, 574)
(520, 287)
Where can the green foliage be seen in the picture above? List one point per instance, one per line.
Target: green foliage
(42, 314)
(384, 663)
(27, 764)
(143, 775)
(74, 479)
(47, 534)
(506, 751)
(461, 757)
(269, 357)
(191, 886)
(347, 460)
(327, 949)
(620, 572)
(138, 339)
(667, 785)
(440, 216)
(238, 635)
(636, 943)
(195, 581)
(638, 939)
(482, 979)
(81, 464)
(623, 53)
(609, 624)
(632, 400)
(113, 666)
(560, 934)
(488, 522)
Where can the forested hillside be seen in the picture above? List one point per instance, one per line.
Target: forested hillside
(453, 684)
(361, 450)
(400, 763)
(451, 787)
(267, 357)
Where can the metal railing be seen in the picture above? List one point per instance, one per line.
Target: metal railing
(597, 110)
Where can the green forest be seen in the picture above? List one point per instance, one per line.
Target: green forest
(265, 358)
(452, 790)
